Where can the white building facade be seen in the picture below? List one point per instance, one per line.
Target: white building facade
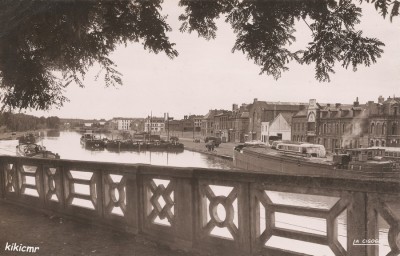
(154, 124)
(279, 127)
(123, 124)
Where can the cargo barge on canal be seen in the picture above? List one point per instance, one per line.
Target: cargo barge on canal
(307, 159)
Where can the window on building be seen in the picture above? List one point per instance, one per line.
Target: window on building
(394, 129)
(383, 128)
(372, 128)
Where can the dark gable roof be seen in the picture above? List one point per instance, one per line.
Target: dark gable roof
(301, 113)
(288, 117)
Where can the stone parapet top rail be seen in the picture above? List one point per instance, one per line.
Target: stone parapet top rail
(225, 212)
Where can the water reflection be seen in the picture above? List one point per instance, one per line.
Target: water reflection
(68, 146)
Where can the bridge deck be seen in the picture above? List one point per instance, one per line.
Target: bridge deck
(57, 236)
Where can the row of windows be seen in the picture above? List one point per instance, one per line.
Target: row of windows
(335, 128)
(377, 143)
(155, 125)
(299, 126)
(381, 129)
(336, 143)
(299, 138)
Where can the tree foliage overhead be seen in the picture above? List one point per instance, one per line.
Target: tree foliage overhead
(265, 29)
(68, 36)
(39, 37)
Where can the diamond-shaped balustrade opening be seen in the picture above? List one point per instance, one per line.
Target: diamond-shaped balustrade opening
(161, 200)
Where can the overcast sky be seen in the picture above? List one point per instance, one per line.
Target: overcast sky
(206, 75)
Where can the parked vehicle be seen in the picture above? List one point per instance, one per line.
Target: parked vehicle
(216, 140)
(174, 139)
(304, 149)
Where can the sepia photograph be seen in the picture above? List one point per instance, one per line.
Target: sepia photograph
(200, 127)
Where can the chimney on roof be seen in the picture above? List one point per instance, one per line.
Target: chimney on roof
(255, 100)
(381, 99)
(337, 105)
(328, 105)
(356, 103)
(234, 107)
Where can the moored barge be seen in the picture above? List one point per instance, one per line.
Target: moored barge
(354, 163)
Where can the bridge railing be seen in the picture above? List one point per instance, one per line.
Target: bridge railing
(226, 212)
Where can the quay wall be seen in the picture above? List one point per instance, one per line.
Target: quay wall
(180, 207)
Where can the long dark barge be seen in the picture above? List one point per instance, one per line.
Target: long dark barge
(360, 163)
(131, 145)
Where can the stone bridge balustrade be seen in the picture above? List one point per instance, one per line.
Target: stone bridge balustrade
(226, 212)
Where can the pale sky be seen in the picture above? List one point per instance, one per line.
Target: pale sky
(206, 75)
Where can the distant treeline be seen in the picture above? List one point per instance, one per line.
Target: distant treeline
(22, 122)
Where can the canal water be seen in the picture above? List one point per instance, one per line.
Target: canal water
(67, 145)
